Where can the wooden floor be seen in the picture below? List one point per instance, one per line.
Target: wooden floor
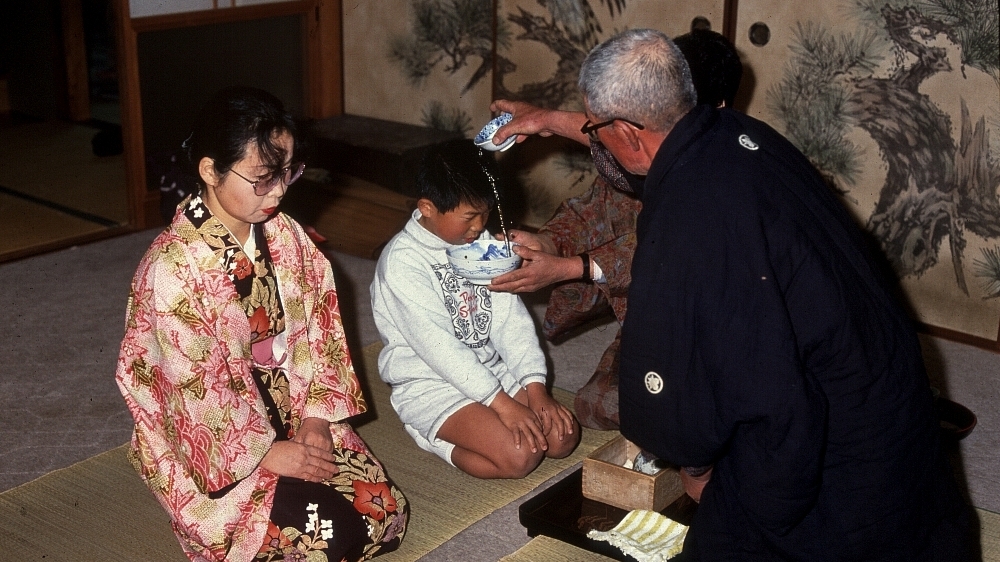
(356, 217)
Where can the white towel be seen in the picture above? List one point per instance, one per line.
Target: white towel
(646, 536)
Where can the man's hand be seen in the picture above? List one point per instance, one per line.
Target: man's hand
(520, 421)
(549, 411)
(531, 120)
(694, 485)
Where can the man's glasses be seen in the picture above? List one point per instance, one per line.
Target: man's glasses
(590, 129)
(286, 175)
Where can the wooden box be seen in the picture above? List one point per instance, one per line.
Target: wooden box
(605, 479)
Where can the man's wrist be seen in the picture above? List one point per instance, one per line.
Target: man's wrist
(696, 471)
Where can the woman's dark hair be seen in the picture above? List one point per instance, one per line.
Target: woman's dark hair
(235, 117)
(458, 171)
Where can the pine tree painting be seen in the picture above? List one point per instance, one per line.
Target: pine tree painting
(449, 35)
(938, 187)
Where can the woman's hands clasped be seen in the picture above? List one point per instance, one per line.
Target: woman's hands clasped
(308, 455)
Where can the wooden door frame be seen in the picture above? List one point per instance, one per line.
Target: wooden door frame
(76, 103)
(729, 19)
(322, 58)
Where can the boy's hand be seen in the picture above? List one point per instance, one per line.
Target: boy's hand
(519, 420)
(549, 411)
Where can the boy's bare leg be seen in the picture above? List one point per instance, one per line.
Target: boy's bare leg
(486, 448)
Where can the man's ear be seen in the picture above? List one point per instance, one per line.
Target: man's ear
(206, 169)
(630, 134)
(426, 207)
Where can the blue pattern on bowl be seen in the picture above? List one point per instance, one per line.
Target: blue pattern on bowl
(485, 137)
(482, 260)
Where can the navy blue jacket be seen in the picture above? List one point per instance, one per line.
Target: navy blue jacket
(763, 337)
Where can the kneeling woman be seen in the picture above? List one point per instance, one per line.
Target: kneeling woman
(236, 369)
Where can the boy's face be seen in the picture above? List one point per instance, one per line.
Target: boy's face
(461, 225)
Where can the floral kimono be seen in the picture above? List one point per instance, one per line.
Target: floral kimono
(227, 349)
(602, 223)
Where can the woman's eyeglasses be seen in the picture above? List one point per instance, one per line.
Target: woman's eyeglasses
(286, 175)
(590, 129)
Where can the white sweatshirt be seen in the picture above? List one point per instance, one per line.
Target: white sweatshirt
(435, 324)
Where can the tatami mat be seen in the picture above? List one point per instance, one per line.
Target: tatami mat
(552, 550)
(26, 224)
(54, 187)
(989, 534)
(443, 499)
(95, 509)
(54, 160)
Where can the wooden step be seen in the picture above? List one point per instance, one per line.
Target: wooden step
(357, 217)
(382, 152)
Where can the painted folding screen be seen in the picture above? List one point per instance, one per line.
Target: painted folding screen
(430, 62)
(898, 104)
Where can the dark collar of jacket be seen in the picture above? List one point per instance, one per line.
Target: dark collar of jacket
(686, 132)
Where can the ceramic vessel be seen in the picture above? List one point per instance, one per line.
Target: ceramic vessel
(482, 260)
(484, 139)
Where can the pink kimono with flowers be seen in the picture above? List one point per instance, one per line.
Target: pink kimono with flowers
(201, 426)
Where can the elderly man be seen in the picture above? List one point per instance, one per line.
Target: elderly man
(599, 226)
(762, 337)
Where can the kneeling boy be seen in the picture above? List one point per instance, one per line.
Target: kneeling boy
(465, 364)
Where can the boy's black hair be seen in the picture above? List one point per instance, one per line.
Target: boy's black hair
(715, 65)
(458, 171)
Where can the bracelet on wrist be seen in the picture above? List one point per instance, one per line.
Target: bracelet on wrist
(586, 267)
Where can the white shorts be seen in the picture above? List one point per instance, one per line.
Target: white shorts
(424, 405)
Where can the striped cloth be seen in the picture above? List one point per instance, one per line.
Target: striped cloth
(646, 536)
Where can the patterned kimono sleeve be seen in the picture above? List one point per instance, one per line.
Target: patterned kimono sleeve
(197, 428)
(602, 223)
(327, 372)
(578, 224)
(615, 261)
(611, 218)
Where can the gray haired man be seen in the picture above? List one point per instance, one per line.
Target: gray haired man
(762, 337)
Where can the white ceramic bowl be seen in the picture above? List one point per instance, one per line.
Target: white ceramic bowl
(482, 260)
(485, 137)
